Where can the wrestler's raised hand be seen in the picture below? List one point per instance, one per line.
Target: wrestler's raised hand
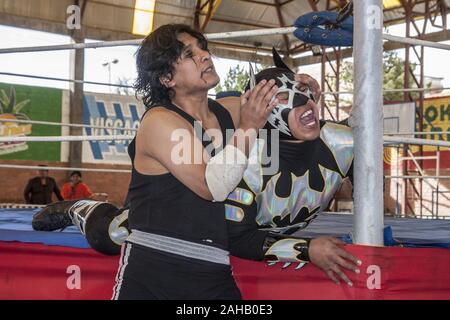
(328, 254)
(306, 80)
(257, 104)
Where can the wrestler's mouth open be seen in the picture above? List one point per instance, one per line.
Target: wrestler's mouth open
(308, 118)
(208, 69)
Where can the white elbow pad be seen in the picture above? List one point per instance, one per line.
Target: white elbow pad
(224, 171)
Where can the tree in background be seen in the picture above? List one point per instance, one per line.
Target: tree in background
(393, 78)
(394, 68)
(237, 78)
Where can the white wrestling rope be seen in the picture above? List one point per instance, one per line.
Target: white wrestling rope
(21, 206)
(389, 90)
(135, 42)
(131, 87)
(417, 177)
(424, 216)
(387, 139)
(65, 138)
(24, 167)
(73, 81)
(415, 141)
(210, 36)
(61, 124)
(416, 42)
(65, 80)
(420, 133)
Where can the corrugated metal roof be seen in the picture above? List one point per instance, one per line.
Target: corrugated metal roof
(113, 19)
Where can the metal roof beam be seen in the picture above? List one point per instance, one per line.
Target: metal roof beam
(243, 23)
(212, 7)
(282, 24)
(259, 2)
(61, 28)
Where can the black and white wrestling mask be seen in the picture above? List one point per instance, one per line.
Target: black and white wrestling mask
(291, 95)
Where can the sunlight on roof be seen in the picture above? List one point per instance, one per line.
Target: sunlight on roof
(388, 4)
(144, 11)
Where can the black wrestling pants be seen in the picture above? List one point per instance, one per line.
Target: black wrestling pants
(147, 274)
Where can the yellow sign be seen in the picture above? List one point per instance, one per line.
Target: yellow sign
(436, 112)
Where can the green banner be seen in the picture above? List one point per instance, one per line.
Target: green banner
(19, 102)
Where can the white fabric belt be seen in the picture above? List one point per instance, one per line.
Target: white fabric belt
(179, 247)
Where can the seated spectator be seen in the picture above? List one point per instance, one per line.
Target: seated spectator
(39, 189)
(76, 189)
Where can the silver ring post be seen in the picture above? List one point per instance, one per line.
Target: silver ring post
(367, 122)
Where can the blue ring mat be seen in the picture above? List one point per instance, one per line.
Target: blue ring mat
(15, 225)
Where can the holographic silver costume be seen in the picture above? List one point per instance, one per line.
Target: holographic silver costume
(309, 175)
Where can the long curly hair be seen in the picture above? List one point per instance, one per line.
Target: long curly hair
(156, 58)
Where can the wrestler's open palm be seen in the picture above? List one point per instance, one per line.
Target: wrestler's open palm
(328, 254)
(257, 104)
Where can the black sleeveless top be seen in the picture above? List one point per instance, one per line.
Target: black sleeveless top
(162, 205)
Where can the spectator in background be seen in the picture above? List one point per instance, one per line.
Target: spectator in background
(76, 189)
(39, 189)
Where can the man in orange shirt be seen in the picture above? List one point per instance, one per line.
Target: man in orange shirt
(76, 189)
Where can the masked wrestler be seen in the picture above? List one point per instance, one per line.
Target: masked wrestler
(313, 160)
